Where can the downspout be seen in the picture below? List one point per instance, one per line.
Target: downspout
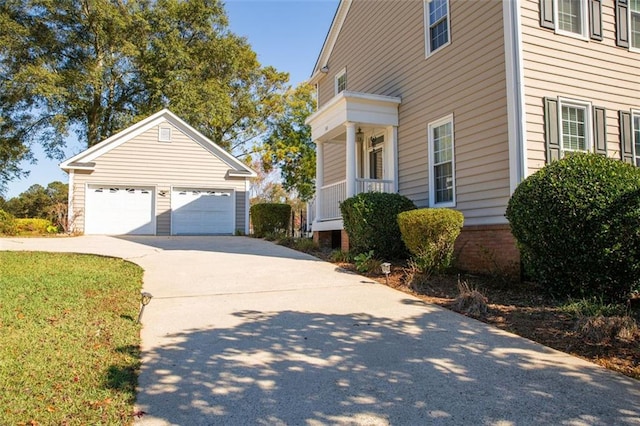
(515, 93)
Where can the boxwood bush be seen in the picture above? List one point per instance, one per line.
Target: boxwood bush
(370, 220)
(7, 224)
(270, 219)
(577, 223)
(429, 235)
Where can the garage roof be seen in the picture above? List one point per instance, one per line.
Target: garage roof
(85, 159)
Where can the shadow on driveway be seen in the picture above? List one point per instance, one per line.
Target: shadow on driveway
(293, 367)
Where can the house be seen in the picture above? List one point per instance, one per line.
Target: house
(452, 103)
(158, 177)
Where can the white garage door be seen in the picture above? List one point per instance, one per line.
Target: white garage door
(118, 210)
(202, 211)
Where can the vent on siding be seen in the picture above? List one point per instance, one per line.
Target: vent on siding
(164, 134)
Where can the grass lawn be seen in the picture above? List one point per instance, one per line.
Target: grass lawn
(69, 340)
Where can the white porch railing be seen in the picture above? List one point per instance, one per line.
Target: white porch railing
(332, 195)
(330, 198)
(373, 185)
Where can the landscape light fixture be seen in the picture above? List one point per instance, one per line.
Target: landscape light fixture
(145, 298)
(386, 270)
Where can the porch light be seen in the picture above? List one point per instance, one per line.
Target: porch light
(359, 136)
(386, 270)
(145, 298)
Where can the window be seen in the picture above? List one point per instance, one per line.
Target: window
(634, 23)
(375, 164)
(574, 126)
(441, 160)
(576, 18)
(571, 16)
(436, 24)
(341, 81)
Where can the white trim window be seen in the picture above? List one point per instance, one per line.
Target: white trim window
(634, 24)
(341, 81)
(635, 132)
(571, 16)
(575, 126)
(436, 24)
(442, 164)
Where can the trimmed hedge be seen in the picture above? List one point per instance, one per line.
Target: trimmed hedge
(370, 220)
(577, 223)
(270, 219)
(7, 224)
(429, 235)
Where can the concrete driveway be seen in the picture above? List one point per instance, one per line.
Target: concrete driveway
(241, 331)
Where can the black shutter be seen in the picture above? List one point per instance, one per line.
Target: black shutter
(551, 131)
(600, 130)
(595, 19)
(546, 14)
(622, 23)
(626, 138)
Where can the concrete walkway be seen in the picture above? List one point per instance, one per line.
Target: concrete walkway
(241, 331)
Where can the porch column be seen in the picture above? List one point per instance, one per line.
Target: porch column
(319, 177)
(351, 159)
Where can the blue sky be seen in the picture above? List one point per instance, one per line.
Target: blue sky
(287, 34)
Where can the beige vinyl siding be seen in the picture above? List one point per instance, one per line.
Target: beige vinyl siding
(335, 168)
(386, 56)
(561, 66)
(144, 161)
(80, 177)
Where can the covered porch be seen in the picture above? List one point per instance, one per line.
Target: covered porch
(356, 137)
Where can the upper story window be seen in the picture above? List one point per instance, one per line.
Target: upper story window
(341, 81)
(634, 23)
(575, 18)
(571, 16)
(441, 163)
(437, 28)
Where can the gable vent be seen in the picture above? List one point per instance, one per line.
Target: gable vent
(164, 134)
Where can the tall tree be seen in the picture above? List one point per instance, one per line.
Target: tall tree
(96, 66)
(288, 144)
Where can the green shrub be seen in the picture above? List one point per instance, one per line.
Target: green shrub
(370, 220)
(429, 235)
(366, 262)
(33, 226)
(270, 218)
(306, 245)
(340, 256)
(577, 223)
(7, 224)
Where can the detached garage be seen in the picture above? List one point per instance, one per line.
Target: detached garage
(158, 177)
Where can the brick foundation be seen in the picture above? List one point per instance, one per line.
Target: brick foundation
(489, 249)
(344, 241)
(486, 249)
